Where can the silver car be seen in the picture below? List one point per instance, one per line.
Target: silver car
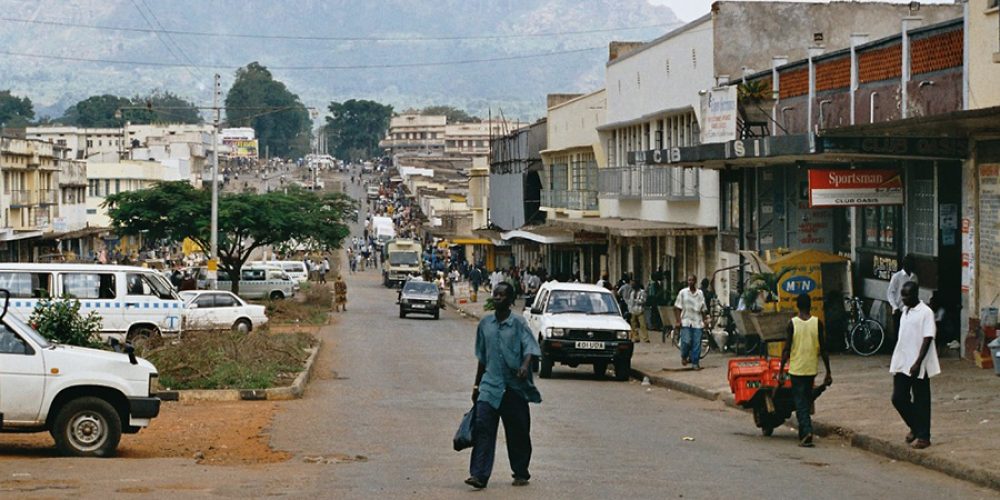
(420, 297)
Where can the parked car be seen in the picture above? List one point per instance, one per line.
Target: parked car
(295, 268)
(85, 398)
(420, 297)
(133, 302)
(580, 324)
(256, 282)
(212, 310)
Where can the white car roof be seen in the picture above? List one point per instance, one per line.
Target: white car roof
(581, 287)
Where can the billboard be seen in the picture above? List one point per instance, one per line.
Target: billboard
(241, 148)
(719, 110)
(849, 188)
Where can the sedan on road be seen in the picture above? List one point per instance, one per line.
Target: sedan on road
(419, 297)
(213, 310)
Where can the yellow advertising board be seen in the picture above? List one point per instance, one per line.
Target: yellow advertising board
(802, 279)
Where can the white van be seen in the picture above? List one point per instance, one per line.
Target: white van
(256, 282)
(296, 269)
(131, 301)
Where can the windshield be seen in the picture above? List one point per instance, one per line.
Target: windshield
(420, 287)
(578, 301)
(21, 327)
(162, 287)
(404, 258)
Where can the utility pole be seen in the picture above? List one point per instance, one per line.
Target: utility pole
(213, 258)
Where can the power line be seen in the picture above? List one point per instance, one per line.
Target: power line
(304, 68)
(164, 42)
(335, 38)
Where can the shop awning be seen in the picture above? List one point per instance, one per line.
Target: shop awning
(541, 234)
(633, 228)
(471, 241)
(79, 233)
(13, 235)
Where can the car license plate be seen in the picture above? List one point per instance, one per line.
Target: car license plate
(589, 345)
(419, 306)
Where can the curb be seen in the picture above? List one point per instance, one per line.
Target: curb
(858, 440)
(462, 310)
(286, 393)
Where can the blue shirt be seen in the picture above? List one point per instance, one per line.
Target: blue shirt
(501, 347)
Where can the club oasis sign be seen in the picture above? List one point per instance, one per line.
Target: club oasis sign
(847, 188)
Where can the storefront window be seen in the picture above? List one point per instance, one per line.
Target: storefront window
(921, 233)
(880, 224)
(730, 205)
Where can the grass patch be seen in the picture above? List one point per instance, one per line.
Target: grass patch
(316, 302)
(229, 360)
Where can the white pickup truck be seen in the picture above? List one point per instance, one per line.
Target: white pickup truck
(86, 398)
(580, 324)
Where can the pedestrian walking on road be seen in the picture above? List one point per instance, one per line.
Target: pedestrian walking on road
(805, 344)
(340, 294)
(691, 307)
(475, 279)
(914, 361)
(503, 389)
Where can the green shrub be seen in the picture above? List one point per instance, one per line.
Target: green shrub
(60, 320)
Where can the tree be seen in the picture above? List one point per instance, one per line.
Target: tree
(162, 107)
(97, 111)
(453, 114)
(277, 116)
(247, 221)
(15, 111)
(114, 111)
(355, 127)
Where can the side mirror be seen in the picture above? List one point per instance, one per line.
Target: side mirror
(535, 310)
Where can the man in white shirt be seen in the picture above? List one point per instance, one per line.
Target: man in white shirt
(894, 295)
(690, 306)
(914, 361)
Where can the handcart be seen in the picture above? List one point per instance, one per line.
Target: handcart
(755, 381)
(756, 386)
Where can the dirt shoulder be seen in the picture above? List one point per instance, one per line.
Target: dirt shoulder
(213, 433)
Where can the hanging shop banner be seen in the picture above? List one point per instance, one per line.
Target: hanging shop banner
(718, 115)
(850, 188)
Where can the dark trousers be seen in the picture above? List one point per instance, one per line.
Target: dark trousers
(516, 425)
(912, 399)
(802, 394)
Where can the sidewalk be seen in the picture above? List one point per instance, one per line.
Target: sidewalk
(965, 406)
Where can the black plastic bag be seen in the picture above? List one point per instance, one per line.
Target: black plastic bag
(463, 436)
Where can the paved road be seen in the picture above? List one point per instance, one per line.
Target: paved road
(389, 392)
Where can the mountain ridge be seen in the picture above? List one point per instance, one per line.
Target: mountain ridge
(518, 86)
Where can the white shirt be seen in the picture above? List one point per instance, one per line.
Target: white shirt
(691, 305)
(895, 293)
(916, 324)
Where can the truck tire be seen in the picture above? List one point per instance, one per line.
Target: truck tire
(87, 427)
(600, 368)
(401, 313)
(276, 295)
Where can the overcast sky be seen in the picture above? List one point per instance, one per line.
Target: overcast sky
(689, 10)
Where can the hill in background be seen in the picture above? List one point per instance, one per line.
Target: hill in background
(517, 86)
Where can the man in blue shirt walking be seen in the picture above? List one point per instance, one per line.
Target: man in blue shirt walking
(503, 389)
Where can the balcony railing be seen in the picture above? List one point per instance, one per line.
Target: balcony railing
(20, 198)
(670, 183)
(48, 196)
(570, 200)
(620, 182)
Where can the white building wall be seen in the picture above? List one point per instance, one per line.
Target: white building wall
(665, 74)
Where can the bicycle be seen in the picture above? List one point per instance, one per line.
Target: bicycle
(864, 335)
(721, 321)
(674, 334)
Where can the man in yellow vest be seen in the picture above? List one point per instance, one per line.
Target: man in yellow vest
(806, 343)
